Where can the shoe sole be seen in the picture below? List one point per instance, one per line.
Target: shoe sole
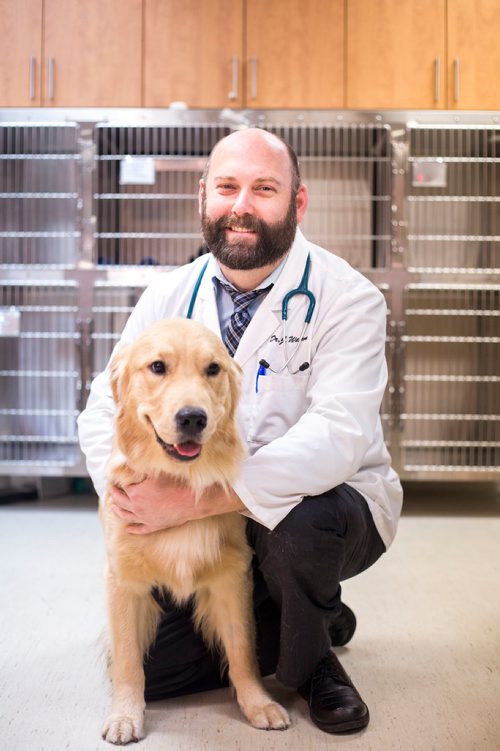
(343, 728)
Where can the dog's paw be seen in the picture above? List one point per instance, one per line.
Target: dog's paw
(269, 716)
(123, 729)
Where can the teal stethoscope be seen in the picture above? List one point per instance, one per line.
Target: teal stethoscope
(302, 289)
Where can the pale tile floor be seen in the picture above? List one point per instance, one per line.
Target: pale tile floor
(426, 656)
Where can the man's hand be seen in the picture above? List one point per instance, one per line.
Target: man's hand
(155, 504)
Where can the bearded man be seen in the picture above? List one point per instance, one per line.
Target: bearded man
(318, 489)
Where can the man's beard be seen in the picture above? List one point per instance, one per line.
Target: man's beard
(273, 241)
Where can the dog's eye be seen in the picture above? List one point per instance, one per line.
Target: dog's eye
(213, 369)
(158, 367)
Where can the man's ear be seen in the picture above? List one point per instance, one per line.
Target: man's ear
(301, 202)
(119, 373)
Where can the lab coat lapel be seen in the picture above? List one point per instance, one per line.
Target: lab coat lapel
(267, 320)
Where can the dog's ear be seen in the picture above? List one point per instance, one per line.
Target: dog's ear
(119, 373)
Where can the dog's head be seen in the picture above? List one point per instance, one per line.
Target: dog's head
(176, 388)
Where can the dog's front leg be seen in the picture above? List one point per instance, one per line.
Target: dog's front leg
(127, 610)
(225, 613)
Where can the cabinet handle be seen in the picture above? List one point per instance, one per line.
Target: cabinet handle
(32, 76)
(233, 94)
(50, 82)
(437, 88)
(456, 69)
(253, 69)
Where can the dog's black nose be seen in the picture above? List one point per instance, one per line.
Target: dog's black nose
(191, 420)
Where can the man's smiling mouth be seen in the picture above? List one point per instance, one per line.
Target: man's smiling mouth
(241, 232)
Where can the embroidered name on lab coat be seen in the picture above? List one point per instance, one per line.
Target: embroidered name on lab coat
(289, 339)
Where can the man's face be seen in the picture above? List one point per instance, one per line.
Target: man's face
(247, 242)
(248, 210)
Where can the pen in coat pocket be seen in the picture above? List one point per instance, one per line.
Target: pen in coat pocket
(261, 372)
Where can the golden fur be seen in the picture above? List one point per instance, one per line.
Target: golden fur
(209, 557)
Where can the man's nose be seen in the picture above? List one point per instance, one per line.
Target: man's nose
(243, 204)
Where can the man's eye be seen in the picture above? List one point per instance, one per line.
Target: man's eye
(158, 367)
(213, 369)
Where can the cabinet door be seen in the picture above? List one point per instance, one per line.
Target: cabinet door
(396, 54)
(92, 53)
(295, 53)
(20, 64)
(474, 54)
(193, 53)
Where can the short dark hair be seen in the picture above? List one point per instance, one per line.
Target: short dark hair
(294, 162)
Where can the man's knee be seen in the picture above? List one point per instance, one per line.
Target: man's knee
(326, 512)
(312, 531)
(334, 530)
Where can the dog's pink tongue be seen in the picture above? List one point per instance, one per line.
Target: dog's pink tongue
(189, 448)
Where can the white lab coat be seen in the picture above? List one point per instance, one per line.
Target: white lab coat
(308, 432)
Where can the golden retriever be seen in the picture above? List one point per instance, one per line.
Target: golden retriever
(176, 391)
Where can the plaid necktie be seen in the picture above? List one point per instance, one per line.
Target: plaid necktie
(240, 317)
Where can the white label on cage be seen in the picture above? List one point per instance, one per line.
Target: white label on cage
(137, 170)
(10, 321)
(429, 174)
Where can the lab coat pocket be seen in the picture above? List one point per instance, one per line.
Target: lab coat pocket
(278, 404)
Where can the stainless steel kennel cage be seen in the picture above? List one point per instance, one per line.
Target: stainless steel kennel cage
(93, 205)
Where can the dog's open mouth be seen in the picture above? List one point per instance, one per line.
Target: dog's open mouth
(184, 452)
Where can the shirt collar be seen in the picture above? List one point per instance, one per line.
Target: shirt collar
(218, 276)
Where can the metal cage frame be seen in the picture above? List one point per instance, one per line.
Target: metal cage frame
(93, 204)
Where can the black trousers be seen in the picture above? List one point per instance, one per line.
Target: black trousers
(297, 570)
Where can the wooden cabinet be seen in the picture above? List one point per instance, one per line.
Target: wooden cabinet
(474, 54)
(194, 53)
(396, 54)
(295, 54)
(91, 56)
(92, 53)
(429, 54)
(20, 67)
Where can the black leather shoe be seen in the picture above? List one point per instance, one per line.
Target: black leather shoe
(343, 627)
(334, 704)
